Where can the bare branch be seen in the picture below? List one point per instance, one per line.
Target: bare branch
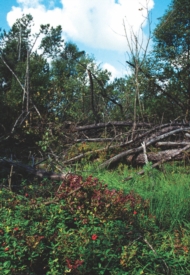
(144, 152)
(12, 72)
(170, 157)
(139, 149)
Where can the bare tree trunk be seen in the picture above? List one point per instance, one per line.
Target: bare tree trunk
(31, 170)
(137, 53)
(28, 81)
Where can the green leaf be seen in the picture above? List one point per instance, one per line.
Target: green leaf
(7, 264)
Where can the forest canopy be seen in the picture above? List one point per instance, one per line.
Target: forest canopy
(54, 95)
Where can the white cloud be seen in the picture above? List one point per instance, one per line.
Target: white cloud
(97, 24)
(114, 72)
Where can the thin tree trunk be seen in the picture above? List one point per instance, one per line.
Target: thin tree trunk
(28, 81)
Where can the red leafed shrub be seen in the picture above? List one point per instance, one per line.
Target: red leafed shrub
(91, 196)
(94, 237)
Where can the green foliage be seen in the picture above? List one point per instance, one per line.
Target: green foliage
(89, 230)
(170, 59)
(81, 225)
(62, 84)
(66, 84)
(167, 191)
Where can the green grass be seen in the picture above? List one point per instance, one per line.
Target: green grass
(168, 191)
(97, 231)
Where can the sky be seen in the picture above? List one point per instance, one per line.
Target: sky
(95, 26)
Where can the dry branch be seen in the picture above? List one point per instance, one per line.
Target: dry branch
(110, 124)
(139, 149)
(170, 157)
(98, 139)
(153, 157)
(172, 144)
(152, 133)
(31, 170)
(144, 152)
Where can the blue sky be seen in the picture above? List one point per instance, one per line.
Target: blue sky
(96, 26)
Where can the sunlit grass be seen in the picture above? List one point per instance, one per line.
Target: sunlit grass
(167, 190)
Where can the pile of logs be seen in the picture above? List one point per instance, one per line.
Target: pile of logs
(162, 143)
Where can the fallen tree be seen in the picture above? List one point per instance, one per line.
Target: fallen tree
(32, 170)
(109, 124)
(168, 158)
(155, 156)
(169, 144)
(149, 141)
(163, 142)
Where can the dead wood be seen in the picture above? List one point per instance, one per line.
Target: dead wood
(104, 149)
(153, 157)
(168, 158)
(163, 130)
(151, 141)
(172, 144)
(110, 124)
(31, 170)
(98, 139)
(146, 135)
(121, 139)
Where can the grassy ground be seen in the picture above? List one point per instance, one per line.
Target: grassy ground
(143, 227)
(168, 189)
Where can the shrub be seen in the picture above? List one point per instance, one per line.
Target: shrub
(86, 229)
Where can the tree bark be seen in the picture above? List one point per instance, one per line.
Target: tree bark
(139, 149)
(168, 158)
(172, 144)
(110, 124)
(30, 170)
(154, 157)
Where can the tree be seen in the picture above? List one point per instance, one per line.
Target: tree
(172, 58)
(24, 84)
(137, 51)
(82, 90)
(24, 72)
(46, 85)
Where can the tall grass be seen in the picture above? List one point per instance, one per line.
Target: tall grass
(167, 191)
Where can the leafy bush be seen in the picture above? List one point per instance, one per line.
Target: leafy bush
(85, 228)
(95, 198)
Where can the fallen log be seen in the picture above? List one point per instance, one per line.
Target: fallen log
(172, 144)
(123, 124)
(139, 149)
(33, 171)
(109, 124)
(152, 138)
(161, 161)
(99, 140)
(163, 130)
(187, 135)
(154, 157)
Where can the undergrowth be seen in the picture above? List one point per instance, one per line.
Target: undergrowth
(98, 224)
(168, 190)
